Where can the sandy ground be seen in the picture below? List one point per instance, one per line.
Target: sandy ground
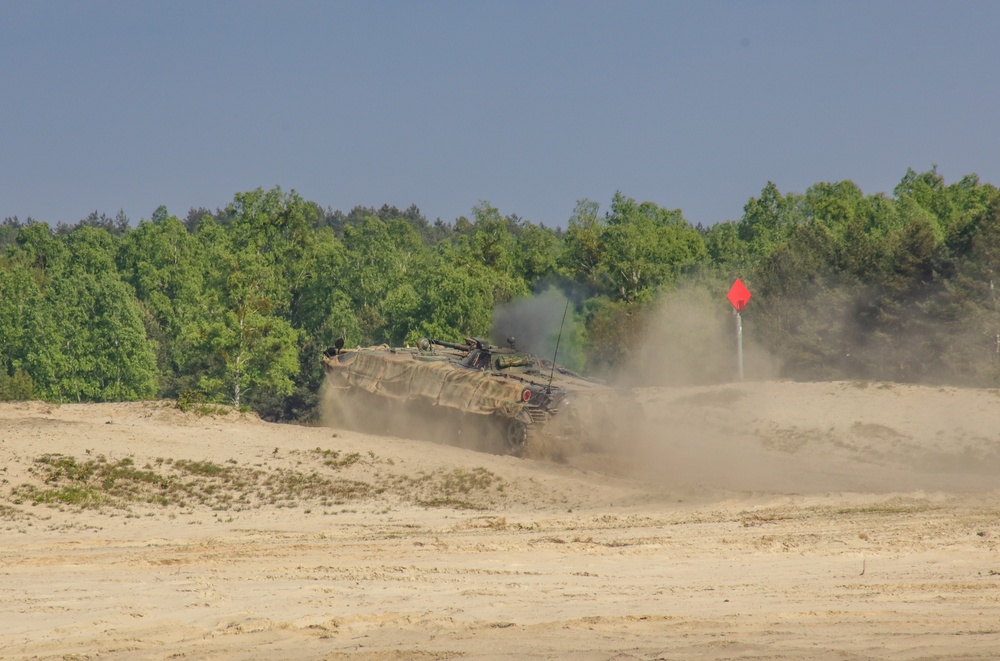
(760, 521)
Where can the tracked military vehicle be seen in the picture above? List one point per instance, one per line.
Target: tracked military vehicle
(473, 393)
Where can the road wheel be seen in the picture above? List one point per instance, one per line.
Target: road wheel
(517, 437)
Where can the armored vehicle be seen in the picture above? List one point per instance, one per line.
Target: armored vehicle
(473, 394)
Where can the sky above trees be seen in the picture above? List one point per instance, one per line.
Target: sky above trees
(529, 105)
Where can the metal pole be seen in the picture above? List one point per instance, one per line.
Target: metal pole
(739, 343)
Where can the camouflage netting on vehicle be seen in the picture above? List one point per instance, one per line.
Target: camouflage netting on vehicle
(419, 379)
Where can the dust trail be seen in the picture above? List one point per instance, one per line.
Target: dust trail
(689, 339)
(375, 414)
(702, 429)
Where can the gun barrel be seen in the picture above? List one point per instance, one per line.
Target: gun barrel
(451, 345)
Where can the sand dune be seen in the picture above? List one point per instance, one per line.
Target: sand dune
(766, 521)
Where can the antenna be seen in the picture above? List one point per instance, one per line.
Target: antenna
(548, 388)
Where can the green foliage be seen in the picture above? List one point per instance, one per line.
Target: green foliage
(633, 252)
(490, 248)
(37, 248)
(165, 265)
(382, 261)
(89, 343)
(537, 250)
(580, 258)
(457, 299)
(243, 348)
(69, 323)
(725, 248)
(20, 305)
(645, 248)
(18, 388)
(9, 229)
(767, 222)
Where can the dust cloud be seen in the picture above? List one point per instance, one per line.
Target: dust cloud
(677, 417)
(375, 414)
(697, 428)
(690, 339)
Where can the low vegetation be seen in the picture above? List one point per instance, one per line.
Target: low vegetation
(103, 483)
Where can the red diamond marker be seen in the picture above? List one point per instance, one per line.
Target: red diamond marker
(739, 295)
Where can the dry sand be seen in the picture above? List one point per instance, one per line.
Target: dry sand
(760, 521)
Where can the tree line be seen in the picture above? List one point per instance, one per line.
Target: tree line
(236, 305)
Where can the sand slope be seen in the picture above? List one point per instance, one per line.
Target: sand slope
(759, 521)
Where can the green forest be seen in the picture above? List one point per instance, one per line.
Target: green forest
(236, 306)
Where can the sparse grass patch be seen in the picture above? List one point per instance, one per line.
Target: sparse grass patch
(62, 480)
(295, 485)
(184, 485)
(752, 519)
(458, 488)
(206, 468)
(92, 483)
(792, 439)
(83, 497)
(8, 513)
(333, 459)
(887, 509)
(460, 480)
(453, 503)
(197, 402)
(877, 432)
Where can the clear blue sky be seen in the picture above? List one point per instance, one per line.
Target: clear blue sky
(529, 105)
